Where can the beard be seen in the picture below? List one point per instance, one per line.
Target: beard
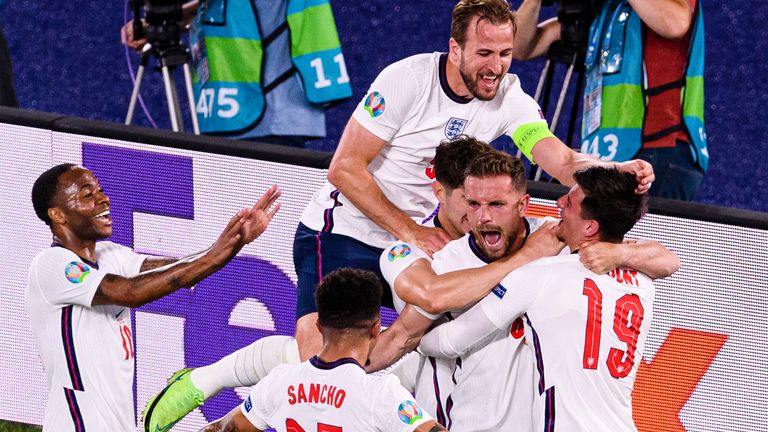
(471, 83)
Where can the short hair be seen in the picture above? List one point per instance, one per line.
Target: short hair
(45, 188)
(498, 163)
(495, 11)
(610, 199)
(453, 156)
(348, 298)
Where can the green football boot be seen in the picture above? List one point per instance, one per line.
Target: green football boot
(175, 401)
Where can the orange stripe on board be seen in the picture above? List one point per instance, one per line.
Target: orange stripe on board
(540, 210)
(664, 385)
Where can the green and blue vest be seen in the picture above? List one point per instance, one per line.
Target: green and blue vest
(615, 56)
(228, 53)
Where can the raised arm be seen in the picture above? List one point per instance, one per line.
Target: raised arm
(668, 18)
(162, 280)
(561, 162)
(646, 256)
(349, 173)
(531, 39)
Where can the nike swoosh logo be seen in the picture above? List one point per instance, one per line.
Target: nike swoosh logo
(165, 428)
(120, 313)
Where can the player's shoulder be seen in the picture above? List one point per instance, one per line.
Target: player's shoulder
(564, 261)
(399, 250)
(512, 93)
(533, 223)
(106, 246)
(54, 254)
(423, 60)
(457, 247)
(510, 86)
(383, 386)
(412, 67)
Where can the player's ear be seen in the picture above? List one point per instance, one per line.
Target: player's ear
(523, 206)
(375, 329)
(454, 51)
(57, 216)
(439, 191)
(592, 229)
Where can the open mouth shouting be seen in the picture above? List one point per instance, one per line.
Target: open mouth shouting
(492, 241)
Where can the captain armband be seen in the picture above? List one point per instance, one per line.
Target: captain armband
(526, 136)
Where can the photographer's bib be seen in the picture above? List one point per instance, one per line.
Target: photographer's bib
(228, 57)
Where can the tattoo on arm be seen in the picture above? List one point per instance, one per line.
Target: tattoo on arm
(174, 282)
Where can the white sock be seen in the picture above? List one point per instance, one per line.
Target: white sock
(246, 366)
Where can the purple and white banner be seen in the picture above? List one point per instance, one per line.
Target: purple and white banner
(704, 368)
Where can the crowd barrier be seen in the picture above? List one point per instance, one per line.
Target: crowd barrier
(704, 366)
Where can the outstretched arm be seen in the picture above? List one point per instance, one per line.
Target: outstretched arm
(646, 256)
(160, 281)
(561, 162)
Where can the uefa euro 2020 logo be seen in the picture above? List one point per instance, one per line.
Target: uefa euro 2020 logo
(399, 251)
(374, 104)
(76, 272)
(409, 412)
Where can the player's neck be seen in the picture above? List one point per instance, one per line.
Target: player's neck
(85, 249)
(452, 230)
(519, 239)
(455, 82)
(336, 350)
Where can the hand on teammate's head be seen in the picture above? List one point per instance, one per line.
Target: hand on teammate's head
(643, 172)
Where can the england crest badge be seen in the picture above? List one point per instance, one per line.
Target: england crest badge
(455, 127)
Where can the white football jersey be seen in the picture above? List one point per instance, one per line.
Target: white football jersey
(86, 351)
(495, 379)
(588, 332)
(336, 396)
(412, 108)
(397, 257)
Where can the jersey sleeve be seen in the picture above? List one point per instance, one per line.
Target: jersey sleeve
(496, 312)
(257, 407)
(527, 125)
(396, 409)
(514, 294)
(393, 261)
(130, 260)
(65, 279)
(386, 105)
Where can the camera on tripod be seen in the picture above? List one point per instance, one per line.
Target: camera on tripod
(575, 17)
(163, 23)
(163, 32)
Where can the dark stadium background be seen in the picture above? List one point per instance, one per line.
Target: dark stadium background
(68, 59)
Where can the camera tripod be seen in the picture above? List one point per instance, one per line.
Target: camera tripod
(573, 58)
(168, 58)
